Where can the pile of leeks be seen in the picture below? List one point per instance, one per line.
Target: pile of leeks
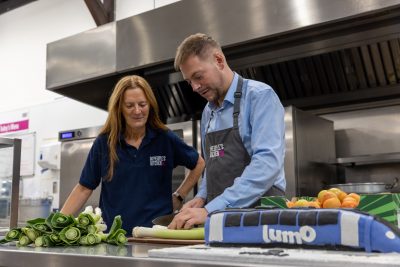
(65, 230)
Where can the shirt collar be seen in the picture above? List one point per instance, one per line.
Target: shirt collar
(230, 95)
(150, 134)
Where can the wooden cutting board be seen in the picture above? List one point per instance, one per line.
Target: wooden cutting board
(153, 240)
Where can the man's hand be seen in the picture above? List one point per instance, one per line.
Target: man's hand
(188, 217)
(196, 202)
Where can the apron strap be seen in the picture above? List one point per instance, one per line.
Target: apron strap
(236, 104)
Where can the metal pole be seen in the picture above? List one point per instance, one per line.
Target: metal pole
(15, 183)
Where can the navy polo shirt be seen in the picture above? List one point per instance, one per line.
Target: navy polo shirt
(140, 189)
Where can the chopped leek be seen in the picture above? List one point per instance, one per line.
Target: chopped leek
(59, 221)
(70, 235)
(64, 230)
(13, 234)
(23, 241)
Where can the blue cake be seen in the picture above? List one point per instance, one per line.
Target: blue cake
(323, 228)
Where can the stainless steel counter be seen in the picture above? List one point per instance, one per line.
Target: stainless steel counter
(135, 254)
(102, 255)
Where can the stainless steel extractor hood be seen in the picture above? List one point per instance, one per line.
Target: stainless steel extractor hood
(315, 53)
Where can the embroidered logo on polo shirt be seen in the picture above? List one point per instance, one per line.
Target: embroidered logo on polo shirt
(217, 151)
(158, 161)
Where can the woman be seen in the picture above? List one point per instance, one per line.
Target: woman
(133, 157)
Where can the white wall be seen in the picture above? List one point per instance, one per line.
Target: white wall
(24, 33)
(46, 120)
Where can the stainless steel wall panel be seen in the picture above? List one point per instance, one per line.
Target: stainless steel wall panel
(290, 154)
(310, 146)
(88, 55)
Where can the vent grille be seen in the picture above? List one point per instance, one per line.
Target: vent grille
(365, 67)
(351, 75)
(177, 102)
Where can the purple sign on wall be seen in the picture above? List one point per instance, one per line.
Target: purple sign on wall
(14, 126)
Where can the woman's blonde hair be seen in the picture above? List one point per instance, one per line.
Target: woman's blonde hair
(116, 124)
(198, 44)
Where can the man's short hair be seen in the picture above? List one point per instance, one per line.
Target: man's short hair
(198, 44)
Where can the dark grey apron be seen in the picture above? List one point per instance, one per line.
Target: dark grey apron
(225, 155)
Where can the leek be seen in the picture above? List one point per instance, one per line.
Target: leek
(57, 220)
(88, 240)
(116, 236)
(13, 234)
(91, 239)
(31, 233)
(23, 241)
(40, 225)
(44, 241)
(192, 234)
(70, 235)
(101, 227)
(117, 224)
(55, 239)
(96, 215)
(84, 220)
(64, 230)
(91, 229)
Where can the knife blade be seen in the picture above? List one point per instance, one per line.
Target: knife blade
(164, 220)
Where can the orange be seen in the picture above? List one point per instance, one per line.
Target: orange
(326, 196)
(342, 195)
(321, 194)
(301, 203)
(335, 190)
(331, 203)
(289, 204)
(355, 196)
(349, 202)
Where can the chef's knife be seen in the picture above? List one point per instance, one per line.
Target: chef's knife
(164, 220)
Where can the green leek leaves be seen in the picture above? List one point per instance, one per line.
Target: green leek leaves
(64, 230)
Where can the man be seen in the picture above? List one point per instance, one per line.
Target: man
(242, 132)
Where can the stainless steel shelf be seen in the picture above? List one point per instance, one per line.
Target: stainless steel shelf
(369, 159)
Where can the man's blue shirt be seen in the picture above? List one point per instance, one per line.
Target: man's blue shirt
(262, 129)
(140, 189)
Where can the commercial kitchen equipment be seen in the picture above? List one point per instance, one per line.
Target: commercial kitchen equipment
(310, 147)
(316, 54)
(76, 144)
(10, 182)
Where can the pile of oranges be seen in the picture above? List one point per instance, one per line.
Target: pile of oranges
(330, 199)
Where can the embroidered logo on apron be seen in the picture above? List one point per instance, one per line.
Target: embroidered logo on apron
(158, 161)
(217, 151)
